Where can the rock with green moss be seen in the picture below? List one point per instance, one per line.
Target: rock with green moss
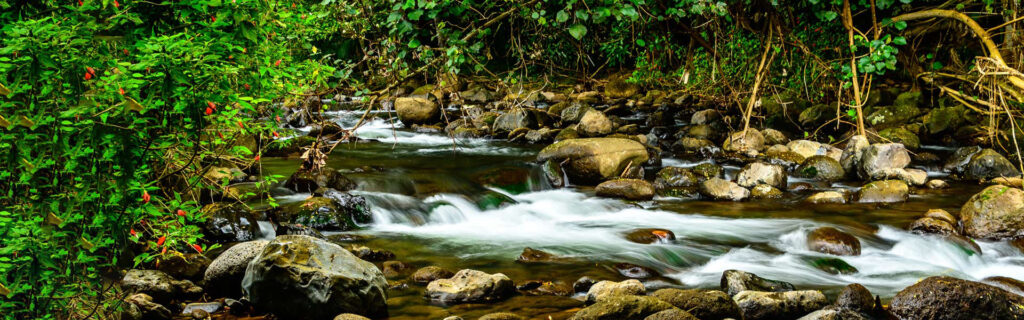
(619, 87)
(901, 135)
(941, 120)
(905, 108)
(622, 307)
(703, 304)
(817, 115)
(988, 164)
(417, 111)
(229, 222)
(335, 211)
(994, 213)
(821, 168)
(629, 189)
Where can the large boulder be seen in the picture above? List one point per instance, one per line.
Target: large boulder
(957, 162)
(225, 273)
(470, 286)
(604, 289)
(947, 298)
(762, 173)
(622, 307)
(159, 285)
(703, 304)
(760, 305)
(882, 156)
(988, 164)
(807, 148)
(832, 241)
(593, 160)
(629, 189)
(594, 124)
(417, 111)
(301, 277)
(513, 120)
(884, 191)
(822, 168)
(994, 213)
(734, 281)
(229, 222)
(721, 189)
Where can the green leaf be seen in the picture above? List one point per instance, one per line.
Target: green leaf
(582, 15)
(577, 31)
(936, 65)
(900, 41)
(900, 25)
(415, 15)
(562, 16)
(414, 43)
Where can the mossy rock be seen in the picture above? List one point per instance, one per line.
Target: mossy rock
(901, 135)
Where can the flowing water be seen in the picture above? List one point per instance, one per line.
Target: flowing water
(477, 203)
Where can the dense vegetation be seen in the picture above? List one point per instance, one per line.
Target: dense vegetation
(112, 112)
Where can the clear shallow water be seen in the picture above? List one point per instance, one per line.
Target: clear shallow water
(476, 203)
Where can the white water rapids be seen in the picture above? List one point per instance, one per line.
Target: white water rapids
(571, 223)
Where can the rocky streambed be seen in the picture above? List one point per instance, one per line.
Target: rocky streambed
(613, 205)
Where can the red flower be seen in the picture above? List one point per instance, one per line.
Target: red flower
(116, 5)
(88, 76)
(257, 158)
(209, 111)
(221, 135)
(145, 197)
(276, 135)
(132, 232)
(213, 18)
(278, 118)
(160, 240)
(246, 86)
(125, 51)
(240, 125)
(80, 3)
(181, 212)
(198, 248)
(211, 105)
(277, 63)
(90, 70)
(121, 91)
(163, 251)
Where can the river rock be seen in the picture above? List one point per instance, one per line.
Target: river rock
(309, 181)
(940, 215)
(618, 87)
(937, 184)
(807, 148)
(501, 316)
(159, 285)
(856, 297)
(470, 286)
(774, 137)
(927, 225)
(594, 124)
(822, 168)
(764, 191)
(703, 304)
(988, 164)
(758, 305)
(884, 191)
(994, 213)
(850, 159)
(762, 173)
(721, 189)
(430, 273)
(189, 266)
(593, 160)
(671, 314)
(832, 241)
(225, 273)
(622, 307)
(229, 222)
(749, 144)
(350, 316)
(882, 156)
(513, 120)
(140, 306)
(706, 116)
(335, 211)
(604, 289)
(947, 298)
(629, 189)
(826, 197)
(835, 313)
(417, 111)
(301, 277)
(675, 177)
(574, 112)
(734, 281)
(957, 162)
(531, 255)
(649, 236)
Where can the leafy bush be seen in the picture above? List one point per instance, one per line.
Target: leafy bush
(110, 114)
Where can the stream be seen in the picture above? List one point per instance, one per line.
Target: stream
(477, 203)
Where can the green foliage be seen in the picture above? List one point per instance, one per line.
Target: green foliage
(110, 114)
